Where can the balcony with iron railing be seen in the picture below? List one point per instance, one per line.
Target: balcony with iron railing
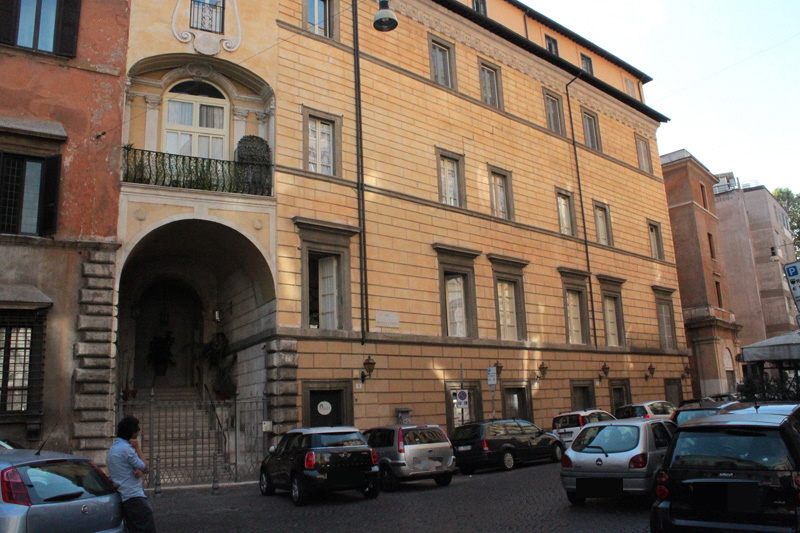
(198, 173)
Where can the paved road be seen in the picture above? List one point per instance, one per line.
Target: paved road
(527, 499)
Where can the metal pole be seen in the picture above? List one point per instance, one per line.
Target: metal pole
(236, 427)
(461, 377)
(214, 478)
(157, 491)
(494, 415)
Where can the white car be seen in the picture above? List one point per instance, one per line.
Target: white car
(568, 425)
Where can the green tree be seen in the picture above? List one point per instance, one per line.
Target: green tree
(791, 202)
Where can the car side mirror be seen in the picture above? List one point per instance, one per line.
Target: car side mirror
(271, 449)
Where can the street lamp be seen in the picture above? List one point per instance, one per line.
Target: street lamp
(385, 19)
(369, 366)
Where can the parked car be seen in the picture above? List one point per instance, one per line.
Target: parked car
(51, 491)
(568, 425)
(503, 443)
(311, 460)
(657, 409)
(723, 397)
(764, 408)
(410, 453)
(705, 407)
(9, 444)
(731, 472)
(616, 457)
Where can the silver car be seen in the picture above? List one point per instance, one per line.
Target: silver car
(657, 409)
(51, 491)
(616, 457)
(412, 452)
(568, 425)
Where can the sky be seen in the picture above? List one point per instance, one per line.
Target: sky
(726, 73)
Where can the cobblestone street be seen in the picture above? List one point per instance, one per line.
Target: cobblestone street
(529, 498)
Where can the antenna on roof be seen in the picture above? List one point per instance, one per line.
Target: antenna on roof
(39, 451)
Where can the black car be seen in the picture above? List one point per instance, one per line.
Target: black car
(731, 472)
(321, 459)
(503, 443)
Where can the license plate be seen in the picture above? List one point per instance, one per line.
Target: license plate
(463, 448)
(599, 487)
(736, 496)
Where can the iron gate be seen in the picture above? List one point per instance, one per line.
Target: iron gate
(196, 442)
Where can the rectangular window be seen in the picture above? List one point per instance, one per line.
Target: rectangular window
(208, 15)
(711, 250)
(611, 315)
(318, 17)
(656, 245)
(44, 25)
(501, 195)
(479, 6)
(507, 309)
(451, 178)
(456, 312)
(602, 220)
(718, 286)
(566, 213)
(551, 44)
(703, 196)
(490, 85)
(643, 154)
(323, 297)
(552, 107)
(21, 346)
(320, 146)
(28, 194)
(666, 321)
(457, 291)
(586, 64)
(591, 131)
(630, 88)
(442, 63)
(582, 393)
(575, 313)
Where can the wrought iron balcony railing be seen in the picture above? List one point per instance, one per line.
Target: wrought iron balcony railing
(185, 172)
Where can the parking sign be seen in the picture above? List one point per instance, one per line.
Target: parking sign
(792, 271)
(462, 398)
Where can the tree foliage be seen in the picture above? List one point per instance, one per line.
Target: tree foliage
(791, 202)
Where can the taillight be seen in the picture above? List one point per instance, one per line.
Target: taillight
(673, 416)
(374, 455)
(662, 492)
(580, 420)
(401, 446)
(638, 461)
(13, 488)
(310, 461)
(566, 462)
(662, 477)
(485, 445)
(646, 415)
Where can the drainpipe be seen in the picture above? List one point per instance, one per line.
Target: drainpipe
(362, 235)
(583, 212)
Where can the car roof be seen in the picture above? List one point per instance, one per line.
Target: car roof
(775, 408)
(637, 404)
(20, 456)
(746, 419)
(626, 422)
(324, 429)
(583, 412)
(707, 404)
(406, 426)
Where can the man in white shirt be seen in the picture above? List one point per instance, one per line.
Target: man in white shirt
(126, 466)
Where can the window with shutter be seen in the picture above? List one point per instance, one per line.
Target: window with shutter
(490, 85)
(565, 214)
(552, 105)
(591, 131)
(611, 320)
(575, 317)
(602, 224)
(507, 310)
(328, 306)
(28, 194)
(43, 25)
(456, 318)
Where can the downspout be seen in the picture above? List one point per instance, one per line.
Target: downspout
(583, 212)
(362, 234)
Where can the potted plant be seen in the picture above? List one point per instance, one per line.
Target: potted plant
(221, 363)
(159, 356)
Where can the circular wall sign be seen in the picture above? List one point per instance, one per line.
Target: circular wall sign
(324, 408)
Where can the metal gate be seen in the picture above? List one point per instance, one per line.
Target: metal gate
(195, 442)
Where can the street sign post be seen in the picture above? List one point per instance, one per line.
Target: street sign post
(792, 271)
(491, 380)
(462, 399)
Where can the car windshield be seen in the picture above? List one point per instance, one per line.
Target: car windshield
(566, 421)
(731, 449)
(466, 433)
(683, 416)
(330, 440)
(61, 481)
(631, 411)
(608, 439)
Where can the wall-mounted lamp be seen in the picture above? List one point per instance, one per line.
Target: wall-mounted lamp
(216, 315)
(498, 367)
(369, 366)
(385, 19)
(605, 369)
(543, 368)
(686, 372)
(651, 370)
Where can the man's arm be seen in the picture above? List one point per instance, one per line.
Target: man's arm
(137, 447)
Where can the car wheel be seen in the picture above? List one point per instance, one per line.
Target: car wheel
(558, 451)
(389, 481)
(372, 491)
(574, 499)
(508, 460)
(300, 495)
(443, 479)
(265, 485)
(467, 470)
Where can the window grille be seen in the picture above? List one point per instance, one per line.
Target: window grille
(208, 15)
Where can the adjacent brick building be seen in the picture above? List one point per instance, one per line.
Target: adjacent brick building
(711, 328)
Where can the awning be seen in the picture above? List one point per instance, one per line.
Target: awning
(784, 347)
(23, 297)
